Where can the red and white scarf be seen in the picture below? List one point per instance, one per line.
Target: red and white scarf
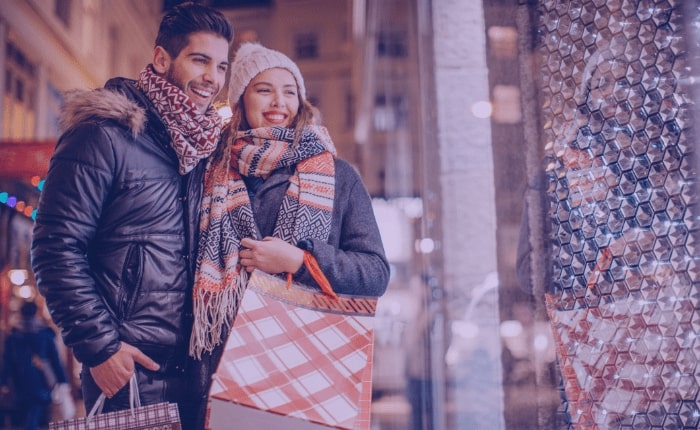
(227, 216)
(194, 134)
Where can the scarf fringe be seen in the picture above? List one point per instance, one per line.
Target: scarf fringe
(214, 311)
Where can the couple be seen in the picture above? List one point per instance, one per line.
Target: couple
(153, 211)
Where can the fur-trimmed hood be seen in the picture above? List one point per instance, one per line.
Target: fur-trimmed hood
(101, 103)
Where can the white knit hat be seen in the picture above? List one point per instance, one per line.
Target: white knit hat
(253, 58)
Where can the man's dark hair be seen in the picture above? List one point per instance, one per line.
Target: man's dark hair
(187, 18)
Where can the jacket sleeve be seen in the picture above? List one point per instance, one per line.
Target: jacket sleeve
(358, 265)
(76, 188)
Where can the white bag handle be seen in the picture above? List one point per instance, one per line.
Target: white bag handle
(134, 399)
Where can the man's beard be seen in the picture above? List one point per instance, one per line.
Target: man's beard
(170, 77)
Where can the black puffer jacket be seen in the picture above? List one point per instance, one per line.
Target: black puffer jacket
(113, 242)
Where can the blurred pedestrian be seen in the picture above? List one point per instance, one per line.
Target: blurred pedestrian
(32, 365)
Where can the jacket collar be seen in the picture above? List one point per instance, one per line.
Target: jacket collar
(102, 103)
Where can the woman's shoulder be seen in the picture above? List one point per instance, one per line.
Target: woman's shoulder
(348, 180)
(344, 169)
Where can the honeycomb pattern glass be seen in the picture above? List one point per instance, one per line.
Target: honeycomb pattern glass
(624, 302)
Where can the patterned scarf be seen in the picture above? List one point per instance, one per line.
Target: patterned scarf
(227, 216)
(194, 134)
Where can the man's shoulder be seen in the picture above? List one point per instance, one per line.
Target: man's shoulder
(114, 103)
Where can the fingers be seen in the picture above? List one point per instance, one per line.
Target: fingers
(247, 254)
(111, 386)
(111, 375)
(142, 359)
(111, 392)
(249, 243)
(271, 255)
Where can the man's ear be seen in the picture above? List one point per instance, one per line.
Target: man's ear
(161, 60)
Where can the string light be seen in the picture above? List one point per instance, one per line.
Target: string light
(20, 205)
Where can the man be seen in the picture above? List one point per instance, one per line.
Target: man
(114, 242)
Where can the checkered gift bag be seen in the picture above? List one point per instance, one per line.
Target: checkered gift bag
(295, 359)
(160, 416)
(629, 360)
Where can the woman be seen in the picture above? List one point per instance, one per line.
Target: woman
(273, 191)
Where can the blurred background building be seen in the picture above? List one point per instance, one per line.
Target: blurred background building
(438, 103)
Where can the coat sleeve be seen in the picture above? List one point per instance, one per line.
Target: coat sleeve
(76, 188)
(357, 265)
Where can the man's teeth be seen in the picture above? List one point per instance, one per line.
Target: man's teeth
(201, 93)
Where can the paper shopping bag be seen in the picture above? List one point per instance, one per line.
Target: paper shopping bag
(160, 416)
(295, 359)
(628, 357)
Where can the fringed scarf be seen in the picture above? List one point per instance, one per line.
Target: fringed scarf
(227, 216)
(194, 134)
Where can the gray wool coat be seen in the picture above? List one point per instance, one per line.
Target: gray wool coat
(353, 258)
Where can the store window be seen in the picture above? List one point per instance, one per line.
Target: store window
(306, 46)
(19, 114)
(393, 44)
(390, 112)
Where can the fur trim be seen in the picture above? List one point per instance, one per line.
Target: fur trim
(84, 105)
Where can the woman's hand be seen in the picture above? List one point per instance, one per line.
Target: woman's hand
(271, 255)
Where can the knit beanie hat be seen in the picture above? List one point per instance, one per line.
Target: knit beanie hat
(253, 58)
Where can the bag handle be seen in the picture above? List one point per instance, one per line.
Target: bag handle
(316, 273)
(134, 400)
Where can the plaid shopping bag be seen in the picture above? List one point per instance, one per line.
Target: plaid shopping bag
(160, 416)
(295, 359)
(630, 359)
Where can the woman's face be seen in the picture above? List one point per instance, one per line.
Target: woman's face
(271, 99)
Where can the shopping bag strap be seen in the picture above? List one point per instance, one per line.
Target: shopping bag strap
(134, 399)
(316, 273)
